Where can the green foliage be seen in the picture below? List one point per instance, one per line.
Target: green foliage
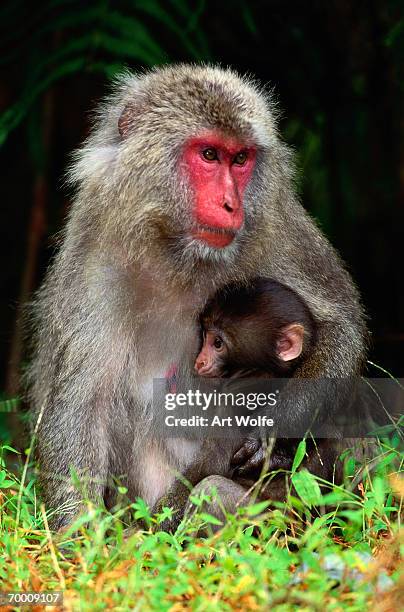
(299, 455)
(307, 488)
(281, 558)
(96, 37)
(10, 404)
(7, 405)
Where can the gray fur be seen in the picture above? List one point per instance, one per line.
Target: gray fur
(120, 301)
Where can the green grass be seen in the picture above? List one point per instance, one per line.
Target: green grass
(321, 550)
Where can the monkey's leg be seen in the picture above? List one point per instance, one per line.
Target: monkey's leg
(176, 499)
(224, 497)
(211, 459)
(64, 449)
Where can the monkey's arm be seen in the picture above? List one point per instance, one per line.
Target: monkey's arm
(318, 275)
(71, 393)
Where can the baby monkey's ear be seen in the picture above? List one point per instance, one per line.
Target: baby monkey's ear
(290, 343)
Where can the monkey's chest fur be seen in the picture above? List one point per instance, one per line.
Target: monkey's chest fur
(164, 333)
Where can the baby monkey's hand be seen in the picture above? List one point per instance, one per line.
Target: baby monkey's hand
(253, 455)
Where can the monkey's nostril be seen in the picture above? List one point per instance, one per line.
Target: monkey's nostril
(228, 207)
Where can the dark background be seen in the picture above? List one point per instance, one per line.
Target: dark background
(336, 70)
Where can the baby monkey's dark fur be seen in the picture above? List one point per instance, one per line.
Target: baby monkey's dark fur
(250, 321)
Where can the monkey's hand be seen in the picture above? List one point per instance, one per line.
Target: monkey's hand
(253, 456)
(249, 457)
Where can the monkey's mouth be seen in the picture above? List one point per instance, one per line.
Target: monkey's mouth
(213, 236)
(211, 373)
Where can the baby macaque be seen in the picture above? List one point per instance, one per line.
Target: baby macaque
(264, 329)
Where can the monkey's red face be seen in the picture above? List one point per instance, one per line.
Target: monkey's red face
(219, 170)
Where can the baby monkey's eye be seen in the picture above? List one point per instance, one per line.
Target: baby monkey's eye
(209, 154)
(240, 158)
(218, 343)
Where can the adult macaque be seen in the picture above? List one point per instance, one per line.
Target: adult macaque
(183, 187)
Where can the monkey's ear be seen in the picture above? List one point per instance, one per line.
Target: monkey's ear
(126, 120)
(290, 344)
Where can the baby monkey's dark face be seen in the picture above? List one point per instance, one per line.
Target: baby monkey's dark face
(212, 359)
(261, 328)
(222, 354)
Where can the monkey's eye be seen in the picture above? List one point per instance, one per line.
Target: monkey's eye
(240, 158)
(210, 154)
(218, 343)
